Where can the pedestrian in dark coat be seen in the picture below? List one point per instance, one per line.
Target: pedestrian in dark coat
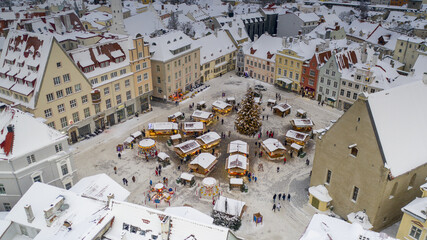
(119, 155)
(124, 181)
(222, 121)
(274, 198)
(280, 196)
(133, 179)
(274, 207)
(289, 197)
(284, 196)
(115, 170)
(278, 168)
(151, 183)
(307, 162)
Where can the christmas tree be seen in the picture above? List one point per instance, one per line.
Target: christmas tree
(248, 120)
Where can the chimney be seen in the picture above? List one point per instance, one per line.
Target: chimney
(67, 21)
(109, 198)
(375, 59)
(364, 53)
(284, 42)
(255, 37)
(29, 213)
(239, 31)
(425, 78)
(58, 25)
(10, 128)
(216, 32)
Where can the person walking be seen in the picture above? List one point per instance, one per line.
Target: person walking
(160, 172)
(274, 207)
(124, 181)
(255, 179)
(115, 170)
(151, 183)
(222, 121)
(278, 207)
(119, 155)
(307, 162)
(278, 169)
(284, 160)
(157, 173)
(280, 196)
(263, 117)
(284, 196)
(274, 198)
(289, 197)
(133, 179)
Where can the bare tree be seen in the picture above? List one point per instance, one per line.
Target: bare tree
(173, 22)
(363, 7)
(187, 28)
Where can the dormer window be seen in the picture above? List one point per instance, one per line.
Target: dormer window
(353, 150)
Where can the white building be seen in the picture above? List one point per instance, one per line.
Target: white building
(30, 151)
(293, 24)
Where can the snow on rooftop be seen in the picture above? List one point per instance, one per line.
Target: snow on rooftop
(308, 17)
(209, 137)
(215, 46)
(23, 142)
(202, 114)
(189, 213)
(193, 126)
(163, 126)
(402, 99)
(361, 218)
(188, 146)
(238, 146)
(234, 207)
(237, 161)
(99, 187)
(320, 192)
(164, 45)
(417, 208)
(264, 48)
(273, 144)
(163, 155)
(204, 160)
(151, 20)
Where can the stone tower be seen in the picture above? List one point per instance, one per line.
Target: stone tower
(117, 12)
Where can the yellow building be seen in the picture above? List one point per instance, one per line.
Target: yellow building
(413, 224)
(289, 69)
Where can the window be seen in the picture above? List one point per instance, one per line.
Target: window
(56, 81)
(356, 86)
(86, 112)
(106, 91)
(7, 207)
(128, 95)
(64, 169)
(322, 80)
(335, 84)
(290, 75)
(51, 124)
(355, 193)
(284, 72)
(140, 92)
(138, 67)
(2, 189)
(84, 99)
(415, 232)
(48, 113)
(97, 108)
(358, 77)
(329, 82)
(73, 103)
(334, 93)
(66, 77)
(119, 99)
(104, 78)
(31, 158)
(328, 177)
(77, 87)
(138, 79)
(312, 73)
(49, 97)
(58, 147)
(37, 178)
(279, 71)
(333, 73)
(327, 71)
(59, 94)
(64, 122)
(146, 87)
(348, 94)
(343, 83)
(327, 91)
(144, 65)
(76, 117)
(69, 90)
(113, 74)
(350, 84)
(108, 103)
(296, 76)
(117, 87)
(158, 67)
(372, 90)
(127, 83)
(68, 186)
(354, 96)
(122, 71)
(354, 151)
(61, 108)
(160, 81)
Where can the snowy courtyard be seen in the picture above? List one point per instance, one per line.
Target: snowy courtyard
(98, 155)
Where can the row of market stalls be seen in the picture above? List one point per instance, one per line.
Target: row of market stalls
(237, 163)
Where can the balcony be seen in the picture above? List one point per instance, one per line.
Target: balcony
(96, 96)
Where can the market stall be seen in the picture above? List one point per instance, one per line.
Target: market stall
(162, 128)
(176, 139)
(128, 142)
(273, 148)
(193, 128)
(236, 183)
(187, 179)
(238, 147)
(301, 113)
(209, 140)
(189, 147)
(296, 148)
(137, 135)
(176, 116)
(203, 163)
(221, 107)
(163, 157)
(147, 148)
(305, 125)
(237, 165)
(271, 102)
(201, 105)
(297, 137)
(230, 100)
(202, 116)
(282, 109)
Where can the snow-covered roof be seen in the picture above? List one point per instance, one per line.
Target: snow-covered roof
(209, 137)
(417, 209)
(202, 114)
(238, 146)
(264, 48)
(148, 142)
(320, 192)
(163, 46)
(136, 134)
(324, 227)
(163, 155)
(237, 161)
(237, 181)
(176, 136)
(151, 20)
(193, 126)
(373, 33)
(19, 142)
(175, 115)
(419, 67)
(99, 187)
(189, 213)
(361, 218)
(273, 144)
(188, 146)
(204, 160)
(215, 46)
(402, 99)
(302, 122)
(234, 207)
(296, 135)
(282, 107)
(163, 126)
(187, 176)
(308, 17)
(220, 104)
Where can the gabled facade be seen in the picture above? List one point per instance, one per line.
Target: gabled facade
(408, 49)
(289, 69)
(310, 72)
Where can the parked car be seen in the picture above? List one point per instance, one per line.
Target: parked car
(260, 88)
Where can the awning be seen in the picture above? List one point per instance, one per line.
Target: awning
(332, 99)
(285, 80)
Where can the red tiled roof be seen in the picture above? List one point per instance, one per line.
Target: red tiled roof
(7, 144)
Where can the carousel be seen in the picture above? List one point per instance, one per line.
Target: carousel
(147, 147)
(159, 193)
(209, 188)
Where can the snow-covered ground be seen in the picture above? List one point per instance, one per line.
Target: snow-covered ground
(98, 155)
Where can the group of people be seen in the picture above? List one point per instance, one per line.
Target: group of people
(280, 197)
(159, 170)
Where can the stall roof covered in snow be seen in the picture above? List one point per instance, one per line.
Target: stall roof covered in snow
(297, 135)
(237, 161)
(189, 213)
(193, 126)
(273, 144)
(238, 146)
(163, 126)
(403, 99)
(15, 140)
(188, 146)
(282, 107)
(202, 114)
(99, 187)
(209, 137)
(323, 227)
(204, 160)
(163, 155)
(234, 207)
(220, 104)
(302, 122)
(187, 176)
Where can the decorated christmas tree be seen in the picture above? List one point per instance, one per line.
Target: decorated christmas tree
(248, 120)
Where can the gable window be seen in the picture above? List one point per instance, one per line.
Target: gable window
(355, 193)
(66, 77)
(415, 232)
(64, 169)
(37, 178)
(58, 64)
(56, 81)
(353, 150)
(2, 189)
(31, 158)
(7, 207)
(49, 97)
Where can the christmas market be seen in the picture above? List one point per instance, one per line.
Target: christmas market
(221, 107)
(237, 165)
(160, 192)
(202, 116)
(209, 140)
(162, 128)
(189, 147)
(238, 147)
(273, 148)
(176, 138)
(128, 142)
(209, 188)
(203, 163)
(297, 137)
(282, 109)
(305, 125)
(193, 128)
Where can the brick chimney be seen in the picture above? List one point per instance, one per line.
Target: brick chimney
(29, 213)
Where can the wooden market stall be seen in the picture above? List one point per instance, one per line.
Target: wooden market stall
(137, 135)
(238, 147)
(273, 148)
(237, 165)
(301, 113)
(187, 179)
(236, 182)
(271, 102)
(209, 140)
(189, 147)
(176, 116)
(221, 107)
(203, 163)
(176, 139)
(162, 128)
(282, 109)
(163, 157)
(297, 137)
(193, 128)
(230, 100)
(305, 125)
(128, 142)
(201, 105)
(296, 148)
(202, 116)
